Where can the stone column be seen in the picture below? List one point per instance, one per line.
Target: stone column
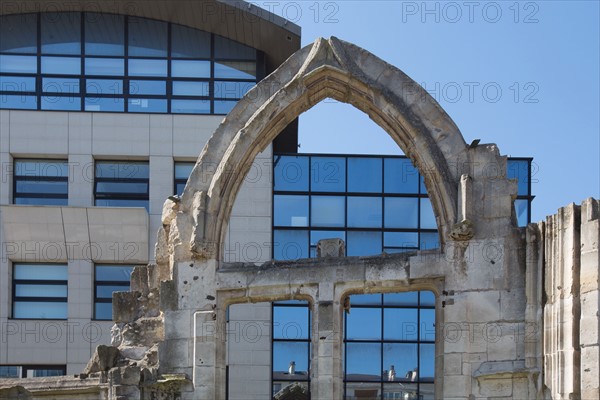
(589, 334)
(326, 360)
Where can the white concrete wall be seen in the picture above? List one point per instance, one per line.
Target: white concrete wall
(121, 235)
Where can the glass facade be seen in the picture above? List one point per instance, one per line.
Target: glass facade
(39, 291)
(88, 61)
(183, 170)
(40, 182)
(31, 371)
(389, 346)
(109, 279)
(375, 204)
(291, 345)
(122, 184)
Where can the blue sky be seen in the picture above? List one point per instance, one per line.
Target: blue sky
(523, 75)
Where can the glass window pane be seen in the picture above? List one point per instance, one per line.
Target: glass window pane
(147, 67)
(401, 299)
(183, 170)
(363, 323)
(190, 106)
(291, 173)
(363, 243)
(286, 352)
(18, 64)
(519, 170)
(121, 203)
(229, 49)
(104, 104)
(114, 272)
(232, 90)
(427, 325)
(41, 272)
(364, 212)
(364, 175)
(40, 310)
(148, 105)
(362, 390)
(61, 33)
(189, 43)
(105, 292)
(401, 239)
(61, 65)
(373, 299)
(22, 290)
(103, 311)
(17, 84)
(41, 187)
(122, 169)
(403, 357)
(427, 215)
(104, 34)
(363, 361)
(121, 187)
(105, 66)
(224, 107)
(328, 211)
(61, 103)
(18, 102)
(521, 210)
(235, 70)
(400, 324)
(427, 360)
(400, 176)
(427, 298)
(147, 38)
(147, 87)
(290, 210)
(18, 33)
(400, 391)
(61, 85)
(104, 86)
(290, 323)
(315, 236)
(7, 371)
(43, 372)
(184, 88)
(190, 69)
(401, 212)
(426, 390)
(46, 201)
(429, 240)
(328, 174)
(290, 245)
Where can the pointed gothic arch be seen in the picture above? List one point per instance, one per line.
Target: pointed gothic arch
(329, 68)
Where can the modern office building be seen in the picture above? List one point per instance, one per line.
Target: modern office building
(104, 108)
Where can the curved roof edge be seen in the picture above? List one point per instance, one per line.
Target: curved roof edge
(234, 19)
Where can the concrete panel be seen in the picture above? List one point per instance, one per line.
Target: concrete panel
(81, 180)
(190, 133)
(120, 135)
(80, 133)
(161, 135)
(161, 182)
(39, 133)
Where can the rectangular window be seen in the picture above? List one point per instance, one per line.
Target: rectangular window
(31, 371)
(109, 279)
(291, 346)
(40, 182)
(390, 346)
(182, 173)
(122, 184)
(40, 291)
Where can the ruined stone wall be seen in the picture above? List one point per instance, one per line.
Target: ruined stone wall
(571, 305)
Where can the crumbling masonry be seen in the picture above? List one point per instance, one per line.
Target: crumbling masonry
(516, 312)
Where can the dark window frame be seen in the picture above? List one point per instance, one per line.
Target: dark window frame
(99, 283)
(29, 178)
(83, 97)
(28, 299)
(102, 195)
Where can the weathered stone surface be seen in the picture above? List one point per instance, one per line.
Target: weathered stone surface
(331, 248)
(104, 358)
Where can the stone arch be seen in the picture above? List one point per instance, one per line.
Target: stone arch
(329, 68)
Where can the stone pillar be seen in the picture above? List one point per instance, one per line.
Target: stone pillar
(562, 309)
(589, 335)
(326, 361)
